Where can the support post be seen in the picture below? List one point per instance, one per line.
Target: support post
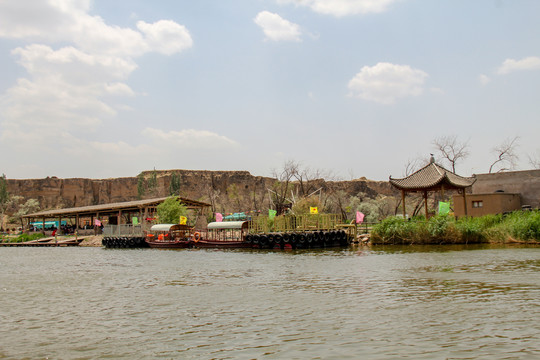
(119, 221)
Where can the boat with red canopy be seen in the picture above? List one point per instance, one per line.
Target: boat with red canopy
(169, 236)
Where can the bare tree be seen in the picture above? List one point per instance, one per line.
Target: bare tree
(535, 160)
(451, 149)
(414, 165)
(309, 180)
(294, 182)
(506, 155)
(281, 190)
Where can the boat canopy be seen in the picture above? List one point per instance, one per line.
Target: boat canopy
(168, 227)
(227, 225)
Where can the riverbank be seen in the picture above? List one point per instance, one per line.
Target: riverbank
(92, 241)
(517, 227)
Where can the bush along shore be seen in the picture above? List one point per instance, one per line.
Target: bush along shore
(517, 227)
(23, 238)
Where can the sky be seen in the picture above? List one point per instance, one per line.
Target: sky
(359, 88)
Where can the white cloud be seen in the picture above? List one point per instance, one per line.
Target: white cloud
(189, 139)
(511, 65)
(484, 79)
(386, 82)
(165, 36)
(66, 89)
(343, 7)
(68, 21)
(119, 89)
(71, 87)
(276, 28)
(73, 65)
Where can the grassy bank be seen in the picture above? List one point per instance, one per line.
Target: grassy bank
(520, 226)
(23, 238)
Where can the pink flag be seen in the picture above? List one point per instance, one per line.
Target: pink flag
(97, 222)
(219, 217)
(359, 217)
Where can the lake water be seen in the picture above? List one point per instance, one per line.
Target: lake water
(379, 303)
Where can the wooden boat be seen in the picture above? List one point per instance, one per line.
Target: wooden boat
(169, 236)
(227, 234)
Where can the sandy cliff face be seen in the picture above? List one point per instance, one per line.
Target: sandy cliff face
(225, 190)
(60, 193)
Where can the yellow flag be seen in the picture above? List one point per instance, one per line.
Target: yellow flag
(183, 220)
(313, 210)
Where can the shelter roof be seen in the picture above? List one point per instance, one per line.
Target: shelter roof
(113, 207)
(226, 225)
(431, 177)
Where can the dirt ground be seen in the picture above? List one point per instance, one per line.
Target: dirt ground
(94, 240)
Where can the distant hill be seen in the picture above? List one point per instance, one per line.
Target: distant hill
(227, 191)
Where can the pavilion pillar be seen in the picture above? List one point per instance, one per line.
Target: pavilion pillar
(403, 202)
(119, 221)
(145, 216)
(59, 228)
(43, 226)
(425, 205)
(94, 224)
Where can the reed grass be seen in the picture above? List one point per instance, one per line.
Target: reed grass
(520, 226)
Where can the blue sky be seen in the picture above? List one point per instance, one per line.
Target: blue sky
(105, 89)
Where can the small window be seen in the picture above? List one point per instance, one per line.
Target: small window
(477, 204)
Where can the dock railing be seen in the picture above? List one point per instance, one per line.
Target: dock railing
(123, 230)
(292, 223)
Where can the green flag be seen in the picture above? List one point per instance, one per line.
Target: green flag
(444, 208)
(272, 213)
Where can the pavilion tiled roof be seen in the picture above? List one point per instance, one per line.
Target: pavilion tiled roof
(432, 176)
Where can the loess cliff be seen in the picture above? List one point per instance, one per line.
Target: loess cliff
(227, 191)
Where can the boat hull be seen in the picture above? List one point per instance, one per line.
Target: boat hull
(221, 244)
(169, 244)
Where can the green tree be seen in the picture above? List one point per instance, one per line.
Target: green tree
(174, 186)
(29, 207)
(234, 195)
(152, 183)
(4, 198)
(170, 210)
(141, 188)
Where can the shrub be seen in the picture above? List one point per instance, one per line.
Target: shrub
(170, 210)
(26, 237)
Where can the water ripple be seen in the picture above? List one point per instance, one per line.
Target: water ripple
(473, 303)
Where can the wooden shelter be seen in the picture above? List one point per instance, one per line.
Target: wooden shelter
(432, 178)
(143, 209)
